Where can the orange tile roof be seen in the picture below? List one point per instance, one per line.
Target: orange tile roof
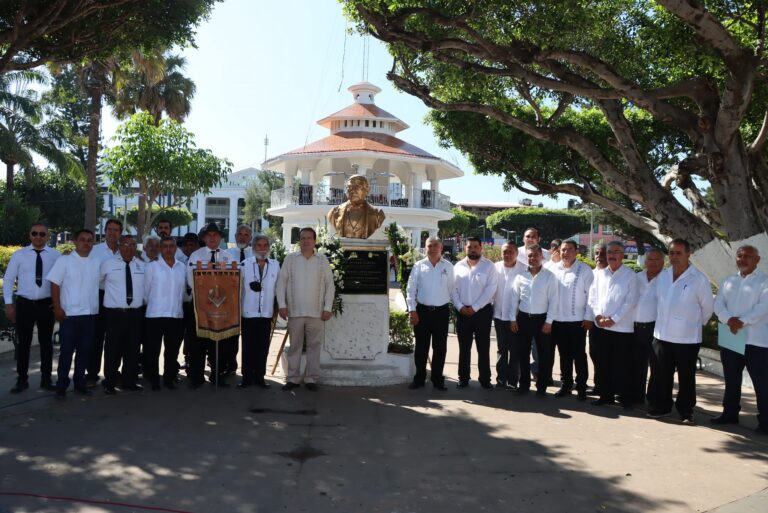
(361, 110)
(362, 141)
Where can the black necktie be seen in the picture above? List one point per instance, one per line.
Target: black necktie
(213, 256)
(242, 255)
(128, 284)
(39, 268)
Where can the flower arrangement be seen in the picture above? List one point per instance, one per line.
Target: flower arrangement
(405, 254)
(330, 246)
(277, 251)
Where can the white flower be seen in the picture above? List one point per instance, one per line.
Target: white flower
(321, 250)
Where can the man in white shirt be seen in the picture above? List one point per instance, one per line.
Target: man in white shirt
(204, 347)
(474, 287)
(428, 295)
(27, 269)
(685, 303)
(601, 262)
(163, 228)
(165, 284)
(573, 320)
(107, 249)
(259, 282)
(645, 321)
(189, 244)
(531, 237)
(612, 298)
(151, 248)
(243, 237)
(533, 307)
(742, 305)
(305, 291)
(123, 279)
(554, 254)
(75, 295)
(507, 365)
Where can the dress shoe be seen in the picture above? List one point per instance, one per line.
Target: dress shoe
(244, 384)
(523, 391)
(462, 384)
(262, 384)
(723, 419)
(47, 385)
(541, 393)
(593, 392)
(110, 390)
(440, 386)
(134, 388)
(486, 386)
(414, 385)
(603, 402)
(91, 381)
(21, 385)
(312, 387)
(581, 395)
(687, 420)
(657, 414)
(563, 392)
(290, 386)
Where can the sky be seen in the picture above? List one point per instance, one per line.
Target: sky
(265, 68)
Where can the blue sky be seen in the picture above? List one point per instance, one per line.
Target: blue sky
(274, 68)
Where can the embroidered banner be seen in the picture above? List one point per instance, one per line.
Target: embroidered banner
(216, 295)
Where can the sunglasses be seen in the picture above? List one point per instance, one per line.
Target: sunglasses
(38, 234)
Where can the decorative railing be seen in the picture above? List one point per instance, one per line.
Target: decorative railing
(322, 194)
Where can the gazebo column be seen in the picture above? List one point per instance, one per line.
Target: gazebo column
(419, 174)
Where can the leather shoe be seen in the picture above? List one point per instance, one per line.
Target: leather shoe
(592, 391)
(48, 386)
(723, 419)
(414, 385)
(462, 384)
(581, 395)
(563, 392)
(440, 386)
(603, 402)
(486, 386)
(110, 390)
(244, 384)
(21, 384)
(290, 386)
(541, 393)
(523, 391)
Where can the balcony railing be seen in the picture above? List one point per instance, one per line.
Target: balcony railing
(321, 194)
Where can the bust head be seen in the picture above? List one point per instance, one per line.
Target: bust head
(357, 189)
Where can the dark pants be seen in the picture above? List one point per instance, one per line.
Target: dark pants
(529, 326)
(255, 335)
(432, 328)
(594, 348)
(614, 365)
(478, 326)
(571, 341)
(507, 364)
(29, 313)
(162, 332)
(122, 343)
(99, 332)
(642, 356)
(75, 338)
(756, 361)
(189, 328)
(229, 349)
(680, 357)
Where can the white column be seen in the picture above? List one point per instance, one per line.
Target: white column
(304, 175)
(287, 233)
(433, 232)
(435, 182)
(419, 174)
(416, 237)
(232, 218)
(288, 180)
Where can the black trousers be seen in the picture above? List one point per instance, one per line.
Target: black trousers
(256, 340)
(594, 348)
(29, 313)
(529, 326)
(432, 328)
(189, 327)
(478, 326)
(680, 357)
(507, 364)
(229, 348)
(97, 348)
(122, 343)
(642, 386)
(755, 359)
(166, 332)
(571, 341)
(614, 364)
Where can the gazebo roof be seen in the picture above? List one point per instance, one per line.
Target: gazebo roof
(362, 142)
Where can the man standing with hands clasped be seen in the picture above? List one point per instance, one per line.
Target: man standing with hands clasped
(507, 366)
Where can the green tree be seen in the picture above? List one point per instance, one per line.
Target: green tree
(552, 224)
(176, 215)
(637, 97)
(15, 220)
(161, 160)
(459, 224)
(67, 102)
(258, 197)
(60, 198)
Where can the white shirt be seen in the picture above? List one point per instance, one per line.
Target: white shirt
(429, 284)
(164, 288)
(235, 252)
(113, 277)
(204, 255)
(746, 298)
(522, 256)
(614, 295)
(505, 280)
(259, 304)
(534, 295)
(474, 286)
(573, 292)
(683, 306)
(645, 311)
(305, 285)
(145, 258)
(102, 252)
(21, 270)
(78, 278)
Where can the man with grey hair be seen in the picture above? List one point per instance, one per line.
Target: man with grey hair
(150, 250)
(645, 321)
(243, 243)
(742, 305)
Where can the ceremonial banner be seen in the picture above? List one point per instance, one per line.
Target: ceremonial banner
(216, 295)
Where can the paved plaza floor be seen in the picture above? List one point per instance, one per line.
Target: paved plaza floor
(385, 449)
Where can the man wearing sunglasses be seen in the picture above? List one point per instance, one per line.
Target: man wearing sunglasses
(27, 270)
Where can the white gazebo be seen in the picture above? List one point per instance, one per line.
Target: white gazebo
(404, 179)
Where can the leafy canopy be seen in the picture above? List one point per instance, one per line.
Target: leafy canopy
(552, 224)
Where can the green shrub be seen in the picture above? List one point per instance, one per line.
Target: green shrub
(587, 261)
(66, 247)
(629, 264)
(400, 333)
(5, 256)
(492, 253)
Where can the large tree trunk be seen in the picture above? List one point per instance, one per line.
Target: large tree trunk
(9, 179)
(93, 151)
(141, 217)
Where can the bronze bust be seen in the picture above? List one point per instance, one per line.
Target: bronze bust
(356, 218)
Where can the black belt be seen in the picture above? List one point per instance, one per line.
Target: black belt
(23, 299)
(122, 309)
(532, 316)
(431, 308)
(644, 324)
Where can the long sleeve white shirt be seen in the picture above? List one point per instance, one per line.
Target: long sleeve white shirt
(235, 252)
(78, 279)
(573, 296)
(429, 284)
(305, 285)
(684, 305)
(746, 298)
(614, 295)
(505, 280)
(645, 311)
(534, 295)
(164, 288)
(473, 286)
(21, 271)
(262, 303)
(113, 277)
(522, 256)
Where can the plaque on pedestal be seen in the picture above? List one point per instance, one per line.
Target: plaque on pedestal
(366, 271)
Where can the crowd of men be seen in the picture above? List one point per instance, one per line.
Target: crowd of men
(116, 308)
(540, 301)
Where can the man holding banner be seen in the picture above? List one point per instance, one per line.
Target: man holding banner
(742, 308)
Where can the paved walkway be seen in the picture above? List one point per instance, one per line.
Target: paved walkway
(368, 450)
